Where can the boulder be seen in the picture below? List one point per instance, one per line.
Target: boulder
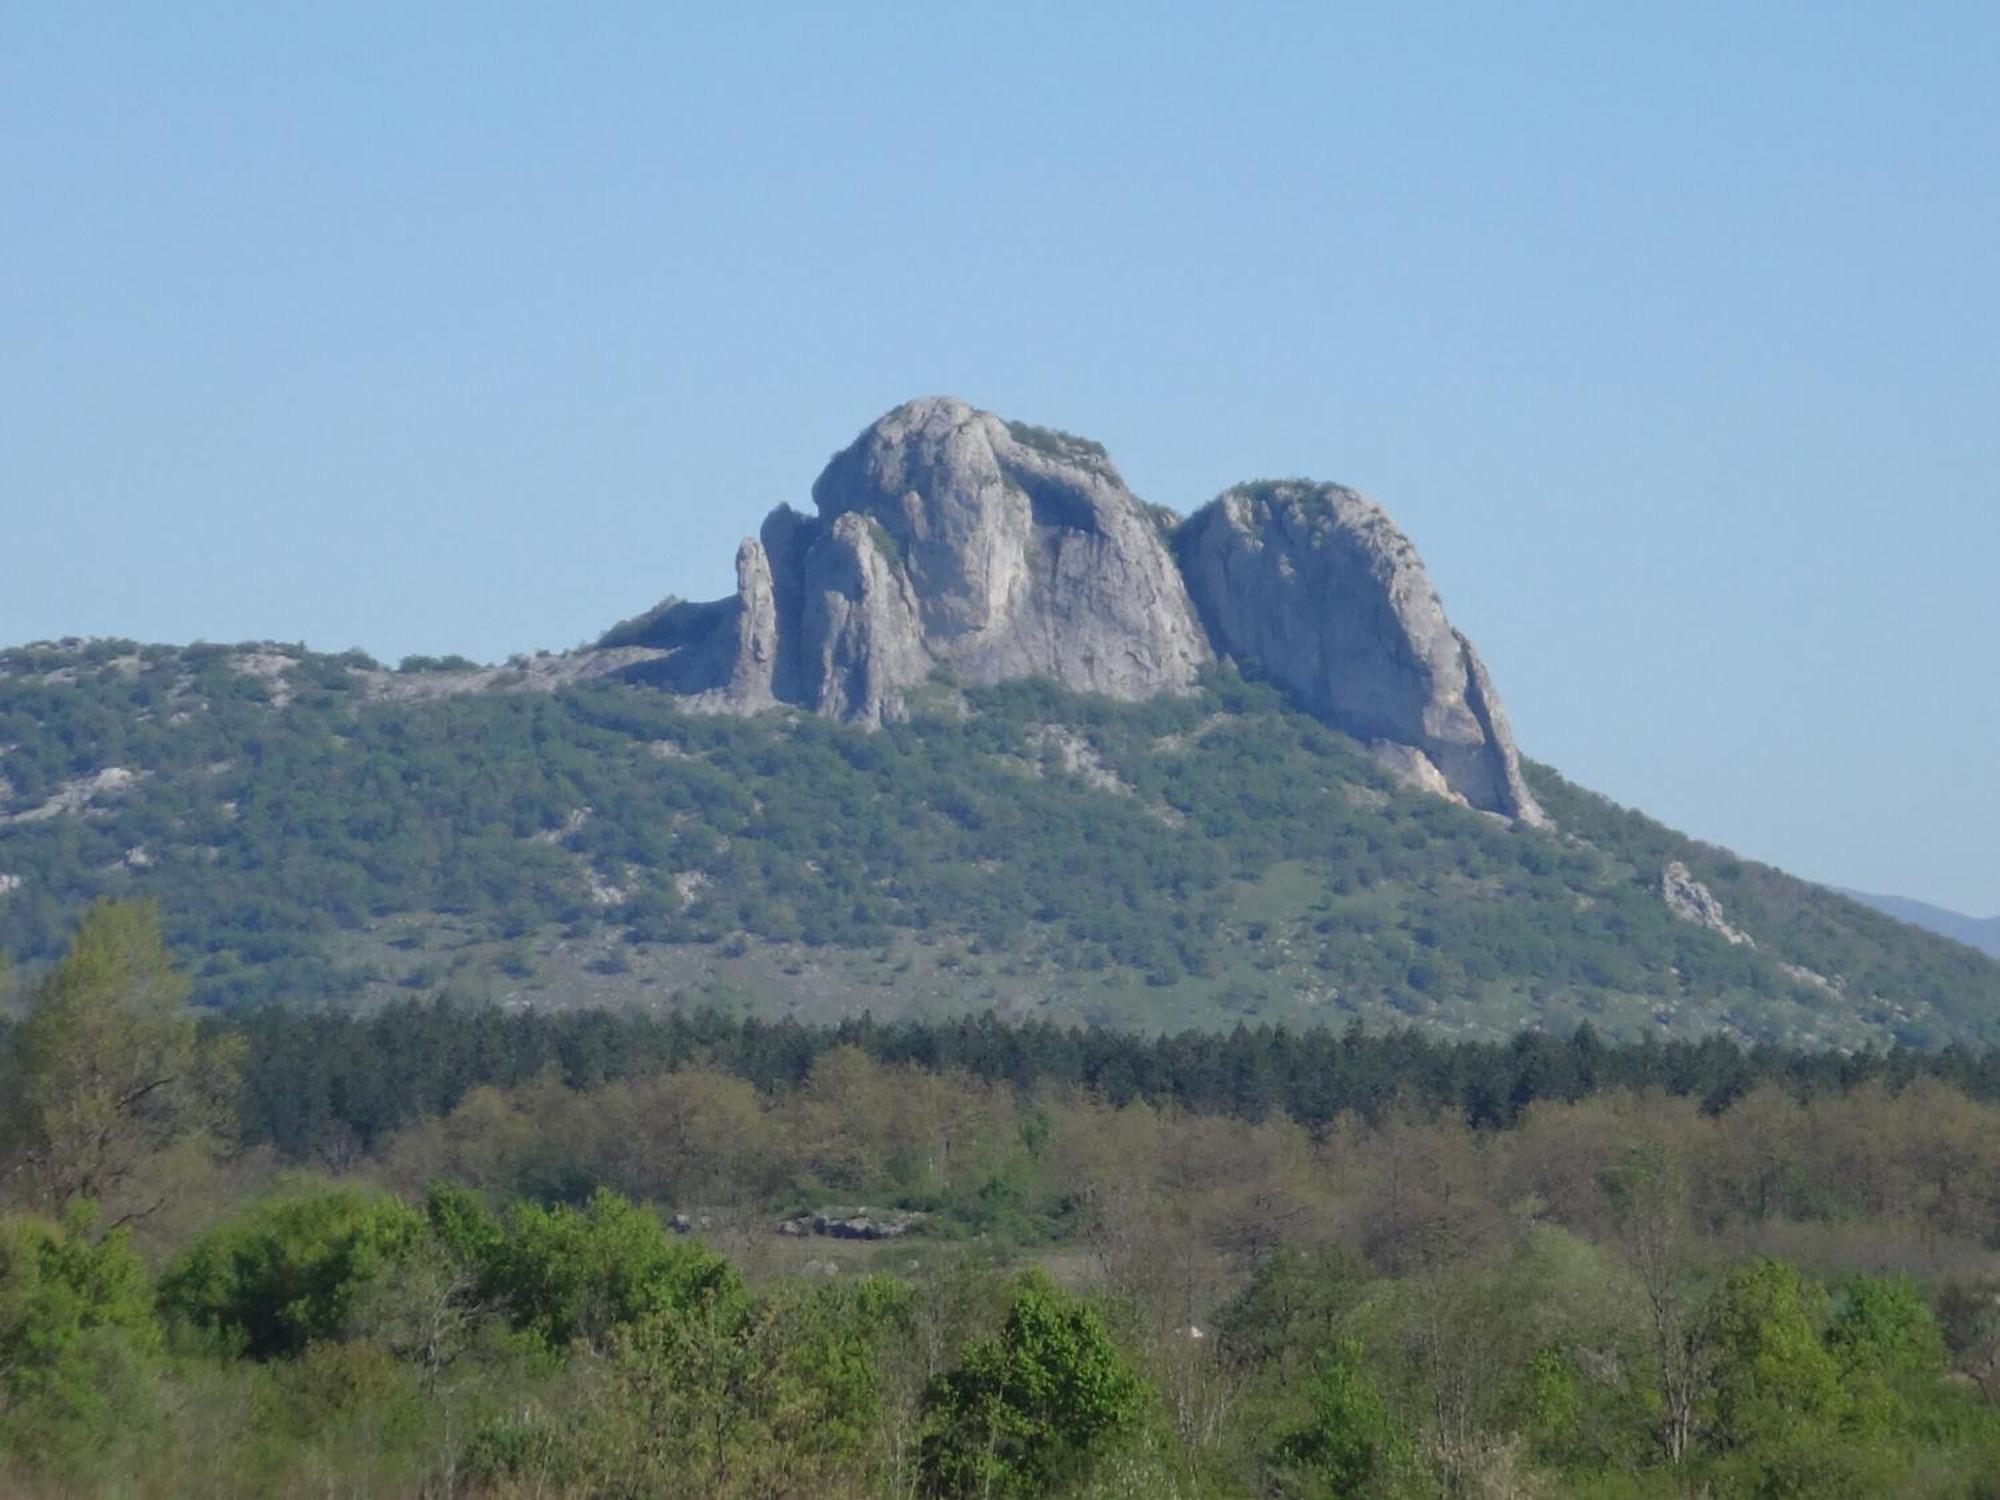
(852, 1223)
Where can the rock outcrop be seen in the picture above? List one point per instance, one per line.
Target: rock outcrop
(949, 540)
(1312, 586)
(945, 538)
(722, 655)
(1691, 901)
(1023, 550)
(854, 1223)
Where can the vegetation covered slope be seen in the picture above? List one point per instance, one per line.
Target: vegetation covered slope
(317, 828)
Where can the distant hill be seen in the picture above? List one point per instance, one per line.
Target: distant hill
(1982, 933)
(985, 732)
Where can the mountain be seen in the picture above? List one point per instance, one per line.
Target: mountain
(950, 541)
(984, 731)
(1982, 933)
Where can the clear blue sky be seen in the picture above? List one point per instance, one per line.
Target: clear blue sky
(1670, 333)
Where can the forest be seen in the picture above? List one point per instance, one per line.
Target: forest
(447, 1252)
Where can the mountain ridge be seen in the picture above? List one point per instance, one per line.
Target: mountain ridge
(867, 786)
(1982, 933)
(948, 539)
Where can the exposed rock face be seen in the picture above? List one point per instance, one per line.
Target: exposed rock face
(721, 655)
(1414, 769)
(861, 643)
(947, 538)
(74, 798)
(756, 658)
(1691, 901)
(1313, 586)
(1024, 551)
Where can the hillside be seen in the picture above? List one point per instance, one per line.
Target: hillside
(319, 828)
(1982, 933)
(985, 731)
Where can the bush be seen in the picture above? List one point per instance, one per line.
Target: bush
(290, 1270)
(1351, 1442)
(69, 1312)
(565, 1275)
(1034, 1406)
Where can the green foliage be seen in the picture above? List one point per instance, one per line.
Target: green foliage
(833, 1343)
(886, 543)
(289, 1270)
(566, 1275)
(644, 626)
(68, 1308)
(1295, 1305)
(313, 1077)
(1874, 957)
(109, 1070)
(1553, 1403)
(453, 663)
(462, 1228)
(1031, 1407)
(1258, 861)
(1788, 1420)
(1395, 1304)
(1350, 1446)
(788, 1391)
(1053, 442)
(1767, 1324)
(1882, 1325)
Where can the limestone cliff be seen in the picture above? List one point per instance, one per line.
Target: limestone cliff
(948, 539)
(1312, 586)
(945, 538)
(1026, 554)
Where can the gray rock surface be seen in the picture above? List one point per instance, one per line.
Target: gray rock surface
(1024, 553)
(756, 658)
(1691, 901)
(1313, 586)
(949, 539)
(1413, 769)
(722, 655)
(861, 641)
(946, 538)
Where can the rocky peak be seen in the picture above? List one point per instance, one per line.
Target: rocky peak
(945, 538)
(1023, 551)
(948, 538)
(1314, 587)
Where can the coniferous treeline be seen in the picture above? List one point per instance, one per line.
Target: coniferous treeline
(364, 1077)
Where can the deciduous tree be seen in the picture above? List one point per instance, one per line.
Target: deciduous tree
(112, 1070)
